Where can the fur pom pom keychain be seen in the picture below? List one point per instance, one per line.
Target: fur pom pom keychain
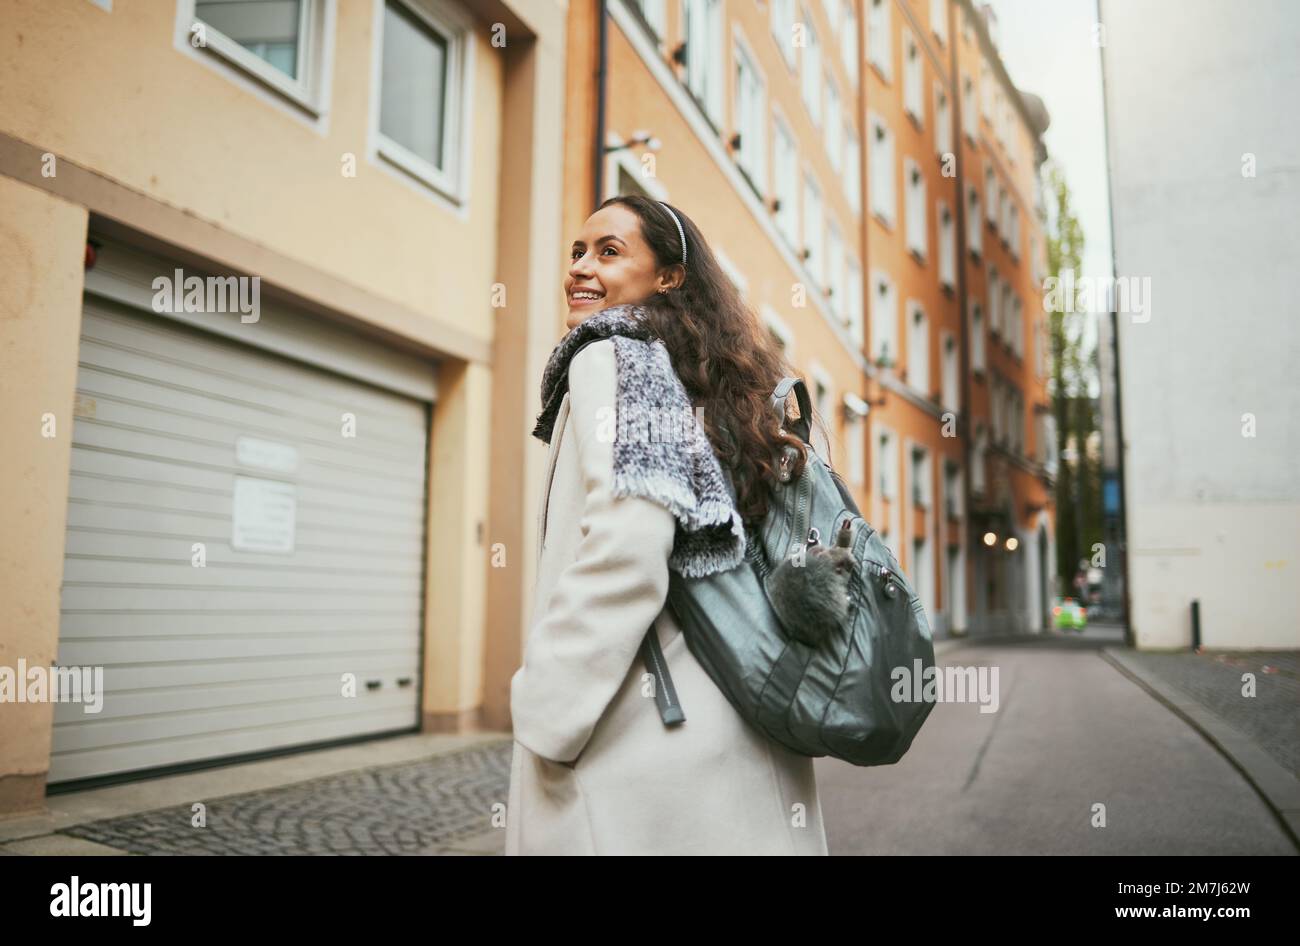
(810, 591)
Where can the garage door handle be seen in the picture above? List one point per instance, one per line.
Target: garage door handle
(403, 681)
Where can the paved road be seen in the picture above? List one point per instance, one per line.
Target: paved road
(1071, 732)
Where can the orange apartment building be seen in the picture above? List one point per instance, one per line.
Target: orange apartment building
(838, 154)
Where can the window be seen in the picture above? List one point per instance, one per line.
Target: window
(751, 119)
(969, 118)
(996, 409)
(420, 90)
(785, 180)
(853, 169)
(918, 350)
(821, 395)
(704, 56)
(947, 247)
(974, 225)
(977, 336)
(1004, 216)
(780, 332)
(1015, 230)
(857, 443)
(886, 466)
(939, 19)
(849, 40)
(880, 171)
(783, 28)
(990, 194)
(920, 478)
(853, 301)
(986, 91)
(813, 239)
(884, 321)
(977, 460)
(278, 42)
(995, 303)
(952, 491)
(835, 272)
(880, 45)
(912, 72)
(1007, 330)
(834, 126)
(950, 395)
(914, 208)
(1018, 326)
(811, 77)
(942, 122)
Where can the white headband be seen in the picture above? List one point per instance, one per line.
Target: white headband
(680, 232)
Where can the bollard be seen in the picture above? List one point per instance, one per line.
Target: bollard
(1196, 625)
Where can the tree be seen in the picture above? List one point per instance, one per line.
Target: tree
(1074, 366)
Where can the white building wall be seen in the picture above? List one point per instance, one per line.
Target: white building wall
(1194, 89)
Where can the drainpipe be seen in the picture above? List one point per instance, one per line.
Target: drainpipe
(602, 66)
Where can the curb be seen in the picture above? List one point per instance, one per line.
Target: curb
(1278, 788)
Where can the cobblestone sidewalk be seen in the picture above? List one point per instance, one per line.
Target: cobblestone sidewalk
(1271, 718)
(440, 805)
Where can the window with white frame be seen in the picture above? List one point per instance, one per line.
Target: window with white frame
(939, 19)
(942, 122)
(785, 180)
(811, 70)
(986, 91)
(920, 477)
(1004, 205)
(976, 336)
(704, 55)
(977, 473)
(974, 222)
(990, 194)
(949, 371)
(813, 229)
(780, 332)
(952, 491)
(947, 246)
(1015, 230)
(995, 303)
(880, 170)
(884, 320)
(834, 125)
(1044, 348)
(887, 465)
(821, 398)
(278, 42)
(918, 349)
(782, 22)
(835, 272)
(996, 409)
(969, 116)
(913, 101)
(751, 120)
(420, 86)
(914, 207)
(1006, 313)
(1018, 340)
(880, 46)
(852, 176)
(853, 301)
(849, 40)
(856, 436)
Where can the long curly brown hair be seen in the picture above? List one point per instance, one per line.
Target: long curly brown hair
(727, 361)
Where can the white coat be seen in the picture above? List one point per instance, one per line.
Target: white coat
(594, 769)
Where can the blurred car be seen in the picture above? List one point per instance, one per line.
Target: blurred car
(1069, 614)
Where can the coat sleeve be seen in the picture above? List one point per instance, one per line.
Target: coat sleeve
(585, 637)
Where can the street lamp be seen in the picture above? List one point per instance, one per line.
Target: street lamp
(1012, 543)
(990, 539)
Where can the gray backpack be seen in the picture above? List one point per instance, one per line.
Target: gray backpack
(804, 637)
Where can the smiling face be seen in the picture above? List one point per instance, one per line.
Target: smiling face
(611, 264)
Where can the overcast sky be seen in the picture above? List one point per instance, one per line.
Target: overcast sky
(1048, 49)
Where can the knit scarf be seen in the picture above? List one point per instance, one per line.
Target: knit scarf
(661, 451)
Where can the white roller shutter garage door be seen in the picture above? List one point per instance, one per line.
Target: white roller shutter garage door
(234, 558)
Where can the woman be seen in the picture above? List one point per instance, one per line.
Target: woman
(595, 770)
